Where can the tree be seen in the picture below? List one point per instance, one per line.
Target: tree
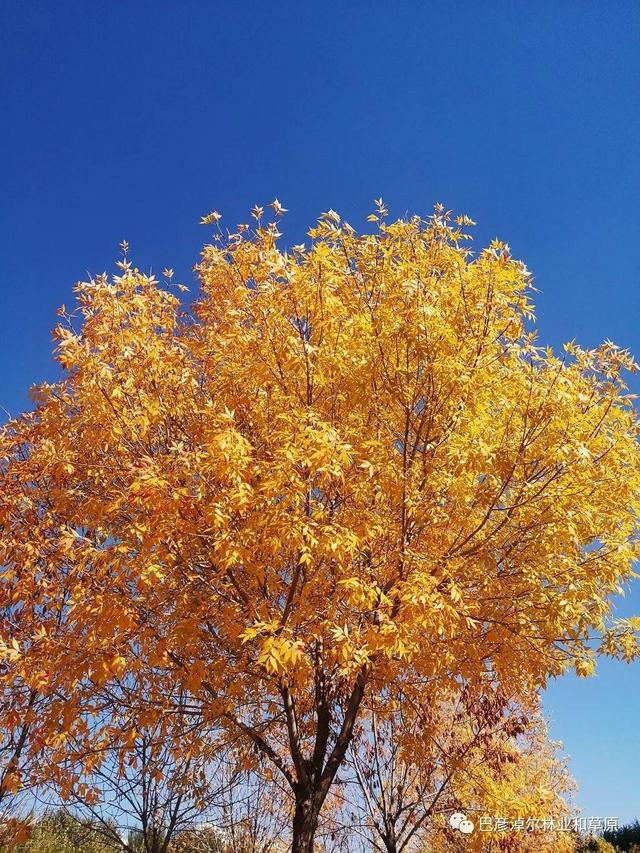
(405, 761)
(624, 837)
(143, 796)
(527, 781)
(484, 757)
(254, 814)
(346, 465)
(250, 816)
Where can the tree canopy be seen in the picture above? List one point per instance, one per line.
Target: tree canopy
(344, 468)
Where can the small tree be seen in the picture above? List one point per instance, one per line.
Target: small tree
(251, 815)
(421, 762)
(409, 763)
(141, 795)
(526, 780)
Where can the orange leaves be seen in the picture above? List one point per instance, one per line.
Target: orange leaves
(152, 574)
(214, 216)
(279, 654)
(11, 783)
(350, 651)
(68, 349)
(147, 482)
(9, 652)
(195, 676)
(347, 458)
(38, 679)
(117, 665)
(584, 666)
(363, 595)
(103, 670)
(257, 629)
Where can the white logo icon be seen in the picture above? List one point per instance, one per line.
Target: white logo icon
(461, 822)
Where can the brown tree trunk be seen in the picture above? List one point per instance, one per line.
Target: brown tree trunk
(316, 776)
(390, 843)
(305, 823)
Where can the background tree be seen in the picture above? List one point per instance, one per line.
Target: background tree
(141, 798)
(348, 465)
(624, 837)
(254, 811)
(481, 756)
(526, 779)
(252, 814)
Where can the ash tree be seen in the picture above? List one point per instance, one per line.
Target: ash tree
(342, 467)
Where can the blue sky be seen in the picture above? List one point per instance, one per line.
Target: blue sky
(131, 120)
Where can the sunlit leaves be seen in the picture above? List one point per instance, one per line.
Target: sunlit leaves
(347, 460)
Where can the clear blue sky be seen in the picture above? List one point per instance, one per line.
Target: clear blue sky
(132, 119)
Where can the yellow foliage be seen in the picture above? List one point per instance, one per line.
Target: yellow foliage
(357, 444)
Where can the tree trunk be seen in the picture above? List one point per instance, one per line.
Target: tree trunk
(318, 777)
(305, 823)
(389, 839)
(390, 843)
